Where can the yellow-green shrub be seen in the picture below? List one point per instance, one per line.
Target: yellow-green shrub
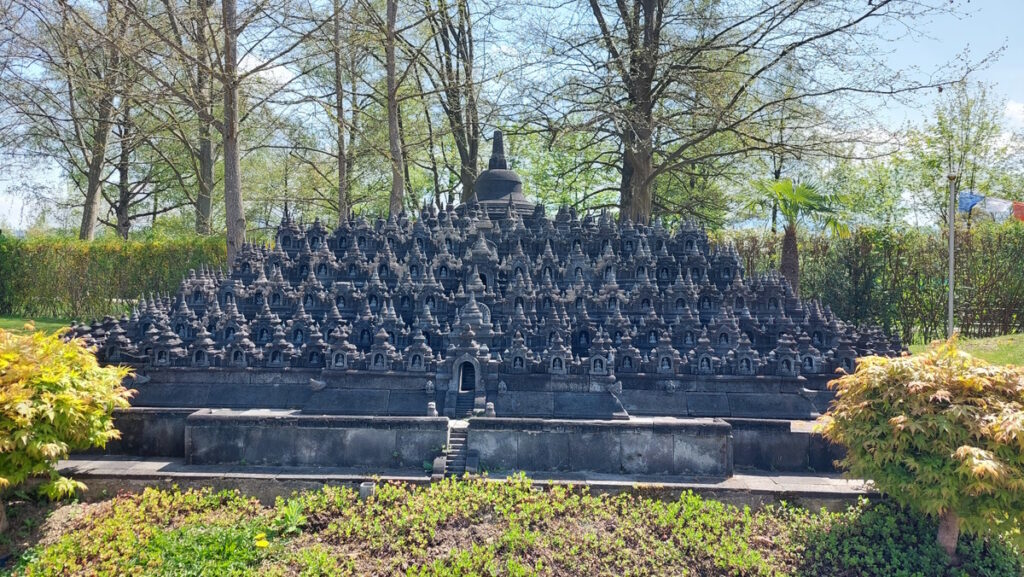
(941, 432)
(54, 398)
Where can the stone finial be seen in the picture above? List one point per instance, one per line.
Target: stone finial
(497, 161)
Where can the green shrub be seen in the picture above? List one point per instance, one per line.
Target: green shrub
(67, 278)
(896, 277)
(940, 432)
(54, 398)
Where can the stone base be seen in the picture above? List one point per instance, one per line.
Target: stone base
(287, 438)
(784, 446)
(686, 448)
(694, 447)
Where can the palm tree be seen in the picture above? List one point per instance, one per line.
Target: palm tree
(797, 203)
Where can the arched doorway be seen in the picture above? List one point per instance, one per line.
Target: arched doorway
(467, 377)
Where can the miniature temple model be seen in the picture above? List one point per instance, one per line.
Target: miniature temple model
(492, 297)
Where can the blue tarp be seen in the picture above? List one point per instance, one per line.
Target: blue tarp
(968, 199)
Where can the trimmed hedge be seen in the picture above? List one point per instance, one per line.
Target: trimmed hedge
(896, 278)
(65, 278)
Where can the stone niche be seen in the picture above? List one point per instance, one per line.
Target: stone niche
(661, 446)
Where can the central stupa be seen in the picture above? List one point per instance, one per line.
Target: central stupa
(499, 189)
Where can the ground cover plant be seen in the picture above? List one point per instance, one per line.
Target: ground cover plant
(484, 527)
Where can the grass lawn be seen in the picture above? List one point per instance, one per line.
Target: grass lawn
(478, 527)
(18, 324)
(1005, 350)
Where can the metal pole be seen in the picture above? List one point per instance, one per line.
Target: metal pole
(952, 241)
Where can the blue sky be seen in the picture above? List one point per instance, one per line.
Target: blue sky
(987, 25)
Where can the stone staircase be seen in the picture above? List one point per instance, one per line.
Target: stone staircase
(464, 405)
(455, 460)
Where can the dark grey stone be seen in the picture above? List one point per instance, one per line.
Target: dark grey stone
(667, 447)
(291, 438)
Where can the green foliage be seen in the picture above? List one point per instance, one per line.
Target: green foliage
(896, 277)
(483, 527)
(54, 398)
(796, 202)
(939, 431)
(884, 539)
(289, 519)
(195, 551)
(152, 532)
(966, 137)
(319, 560)
(65, 278)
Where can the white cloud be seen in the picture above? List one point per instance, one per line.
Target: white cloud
(1014, 112)
(279, 75)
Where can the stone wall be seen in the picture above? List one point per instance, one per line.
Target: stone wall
(726, 396)
(640, 446)
(789, 446)
(314, 391)
(504, 443)
(531, 396)
(150, 432)
(289, 438)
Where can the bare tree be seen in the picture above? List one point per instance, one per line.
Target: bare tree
(665, 78)
(267, 36)
(452, 70)
(62, 85)
(339, 112)
(397, 197)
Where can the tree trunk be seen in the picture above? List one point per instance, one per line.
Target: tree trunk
(204, 200)
(405, 150)
(434, 172)
(790, 262)
(233, 208)
(353, 128)
(949, 533)
(339, 112)
(94, 180)
(204, 89)
(124, 193)
(4, 523)
(777, 175)
(397, 198)
(638, 165)
(625, 186)
(641, 198)
(637, 186)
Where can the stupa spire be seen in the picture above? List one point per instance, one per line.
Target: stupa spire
(497, 161)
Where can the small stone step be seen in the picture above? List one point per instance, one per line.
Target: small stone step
(455, 459)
